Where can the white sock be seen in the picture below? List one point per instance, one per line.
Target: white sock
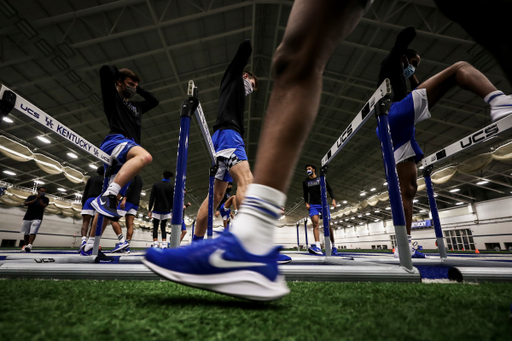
(128, 241)
(318, 245)
(490, 96)
(120, 237)
(84, 238)
(90, 244)
(113, 189)
(333, 245)
(254, 225)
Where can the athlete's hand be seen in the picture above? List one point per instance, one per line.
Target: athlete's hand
(123, 204)
(334, 203)
(217, 214)
(150, 215)
(307, 206)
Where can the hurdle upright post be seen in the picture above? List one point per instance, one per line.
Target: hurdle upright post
(325, 211)
(187, 109)
(427, 172)
(306, 231)
(213, 171)
(395, 197)
(298, 239)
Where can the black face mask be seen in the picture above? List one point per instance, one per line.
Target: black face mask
(228, 189)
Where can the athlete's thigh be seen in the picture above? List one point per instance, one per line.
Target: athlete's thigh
(316, 27)
(241, 173)
(315, 220)
(136, 151)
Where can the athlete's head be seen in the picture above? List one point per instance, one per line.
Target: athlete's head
(100, 170)
(250, 82)
(167, 174)
(41, 189)
(410, 61)
(310, 169)
(127, 83)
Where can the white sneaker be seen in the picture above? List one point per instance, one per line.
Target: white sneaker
(501, 106)
(395, 254)
(28, 248)
(155, 244)
(163, 245)
(23, 249)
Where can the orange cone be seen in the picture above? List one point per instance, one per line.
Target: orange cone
(476, 251)
(393, 250)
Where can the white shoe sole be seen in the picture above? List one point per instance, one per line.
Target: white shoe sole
(242, 284)
(119, 249)
(316, 253)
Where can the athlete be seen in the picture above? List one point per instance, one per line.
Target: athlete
(411, 108)
(123, 141)
(227, 138)
(161, 199)
(313, 200)
(33, 217)
(128, 208)
(243, 262)
(92, 190)
(225, 211)
(183, 226)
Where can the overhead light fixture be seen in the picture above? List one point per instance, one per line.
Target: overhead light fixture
(385, 184)
(338, 205)
(8, 172)
(93, 166)
(362, 194)
(347, 219)
(142, 193)
(39, 182)
(355, 218)
(436, 195)
(344, 201)
(483, 182)
(459, 203)
(43, 139)
(377, 211)
(367, 214)
(73, 156)
(359, 216)
(373, 189)
(376, 220)
(415, 201)
(7, 119)
(360, 223)
(421, 167)
(454, 190)
(423, 211)
(388, 208)
(61, 189)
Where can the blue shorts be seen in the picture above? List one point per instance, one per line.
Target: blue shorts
(403, 117)
(129, 209)
(183, 226)
(224, 212)
(230, 150)
(88, 209)
(117, 146)
(317, 210)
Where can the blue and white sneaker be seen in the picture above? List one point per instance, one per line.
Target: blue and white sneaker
(334, 252)
(221, 265)
(315, 250)
(85, 253)
(127, 250)
(120, 247)
(283, 259)
(106, 206)
(417, 254)
(82, 246)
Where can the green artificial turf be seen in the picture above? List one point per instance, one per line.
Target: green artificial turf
(157, 310)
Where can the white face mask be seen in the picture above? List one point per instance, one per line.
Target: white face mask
(309, 171)
(248, 87)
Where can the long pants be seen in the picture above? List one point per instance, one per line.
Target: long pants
(162, 227)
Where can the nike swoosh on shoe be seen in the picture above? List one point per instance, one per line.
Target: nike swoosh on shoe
(218, 261)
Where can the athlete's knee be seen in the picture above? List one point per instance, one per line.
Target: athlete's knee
(461, 65)
(409, 190)
(146, 158)
(295, 62)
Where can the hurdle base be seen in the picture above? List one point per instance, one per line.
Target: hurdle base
(475, 274)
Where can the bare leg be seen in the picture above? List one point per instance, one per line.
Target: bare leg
(219, 188)
(242, 176)
(26, 239)
(331, 237)
(314, 30)
(85, 224)
(137, 159)
(315, 220)
(129, 226)
(183, 234)
(31, 239)
(462, 74)
(92, 233)
(408, 186)
(116, 227)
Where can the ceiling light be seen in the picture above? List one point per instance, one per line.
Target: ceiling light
(142, 193)
(93, 166)
(362, 194)
(385, 184)
(355, 218)
(73, 156)
(359, 216)
(7, 119)
(43, 139)
(423, 211)
(454, 190)
(422, 167)
(338, 205)
(377, 211)
(367, 214)
(346, 219)
(9, 172)
(360, 223)
(415, 200)
(483, 182)
(373, 189)
(61, 189)
(376, 220)
(332, 207)
(39, 182)
(388, 208)
(459, 203)
(344, 201)
(435, 195)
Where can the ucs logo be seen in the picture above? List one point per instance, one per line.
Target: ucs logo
(29, 111)
(45, 260)
(479, 136)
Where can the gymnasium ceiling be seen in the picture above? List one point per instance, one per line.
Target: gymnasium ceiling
(51, 51)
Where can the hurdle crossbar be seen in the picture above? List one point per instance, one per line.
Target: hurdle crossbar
(358, 121)
(480, 136)
(30, 110)
(203, 125)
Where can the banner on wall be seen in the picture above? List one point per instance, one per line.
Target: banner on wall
(421, 224)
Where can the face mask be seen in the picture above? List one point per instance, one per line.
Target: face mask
(228, 190)
(409, 70)
(309, 172)
(129, 92)
(248, 87)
